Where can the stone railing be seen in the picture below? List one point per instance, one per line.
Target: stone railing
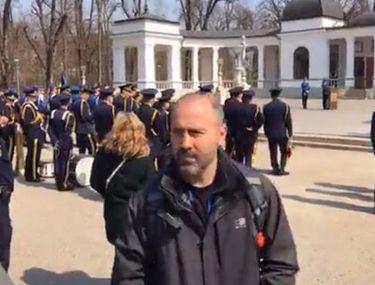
(187, 84)
(163, 84)
(229, 83)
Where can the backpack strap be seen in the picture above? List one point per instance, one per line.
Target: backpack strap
(110, 177)
(259, 206)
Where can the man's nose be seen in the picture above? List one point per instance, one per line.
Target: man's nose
(185, 141)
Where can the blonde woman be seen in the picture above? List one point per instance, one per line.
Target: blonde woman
(121, 167)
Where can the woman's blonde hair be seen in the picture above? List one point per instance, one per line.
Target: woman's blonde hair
(127, 137)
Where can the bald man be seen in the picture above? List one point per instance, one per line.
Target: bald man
(205, 219)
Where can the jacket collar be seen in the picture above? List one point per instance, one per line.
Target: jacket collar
(228, 179)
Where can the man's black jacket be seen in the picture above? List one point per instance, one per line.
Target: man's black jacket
(170, 245)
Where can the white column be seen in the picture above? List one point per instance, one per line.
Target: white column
(215, 65)
(349, 77)
(119, 65)
(175, 65)
(146, 66)
(260, 66)
(195, 63)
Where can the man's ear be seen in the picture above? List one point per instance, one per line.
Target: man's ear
(223, 134)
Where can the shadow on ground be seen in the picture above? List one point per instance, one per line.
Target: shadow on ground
(345, 187)
(361, 194)
(39, 276)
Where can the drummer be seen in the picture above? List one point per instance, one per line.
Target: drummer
(61, 126)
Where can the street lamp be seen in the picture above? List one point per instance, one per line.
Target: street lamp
(16, 63)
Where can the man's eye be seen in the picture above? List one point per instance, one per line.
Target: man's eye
(195, 133)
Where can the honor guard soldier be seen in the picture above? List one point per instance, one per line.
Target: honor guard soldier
(54, 102)
(85, 129)
(163, 106)
(6, 189)
(278, 130)
(231, 108)
(32, 122)
(61, 127)
(250, 119)
(150, 118)
(125, 101)
(104, 113)
(9, 131)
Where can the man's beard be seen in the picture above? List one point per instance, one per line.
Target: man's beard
(189, 165)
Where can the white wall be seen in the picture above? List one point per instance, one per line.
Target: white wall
(309, 24)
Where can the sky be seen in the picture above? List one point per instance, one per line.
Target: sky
(165, 8)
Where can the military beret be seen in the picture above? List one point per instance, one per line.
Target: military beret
(11, 94)
(206, 88)
(248, 94)
(105, 92)
(166, 94)
(128, 87)
(236, 90)
(63, 97)
(87, 89)
(64, 87)
(275, 91)
(149, 92)
(29, 91)
(74, 89)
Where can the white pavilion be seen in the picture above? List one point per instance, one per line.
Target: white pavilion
(313, 42)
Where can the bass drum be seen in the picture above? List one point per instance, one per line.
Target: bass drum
(80, 169)
(46, 169)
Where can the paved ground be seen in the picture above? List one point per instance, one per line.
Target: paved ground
(352, 118)
(59, 238)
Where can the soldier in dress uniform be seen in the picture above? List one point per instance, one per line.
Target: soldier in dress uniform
(278, 130)
(150, 117)
(54, 102)
(85, 129)
(125, 101)
(61, 127)
(9, 131)
(250, 119)
(6, 189)
(231, 108)
(104, 113)
(32, 121)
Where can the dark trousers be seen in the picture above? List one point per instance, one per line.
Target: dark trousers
(325, 102)
(244, 148)
(5, 234)
(305, 97)
(61, 161)
(34, 147)
(10, 144)
(229, 144)
(274, 145)
(86, 142)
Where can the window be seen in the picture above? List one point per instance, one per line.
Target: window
(301, 63)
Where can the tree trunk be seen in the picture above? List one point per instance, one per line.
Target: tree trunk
(100, 40)
(5, 66)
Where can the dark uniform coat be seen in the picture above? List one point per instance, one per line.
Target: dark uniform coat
(104, 115)
(8, 132)
(150, 118)
(61, 127)
(278, 129)
(85, 128)
(32, 122)
(125, 104)
(6, 188)
(170, 244)
(231, 108)
(249, 120)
